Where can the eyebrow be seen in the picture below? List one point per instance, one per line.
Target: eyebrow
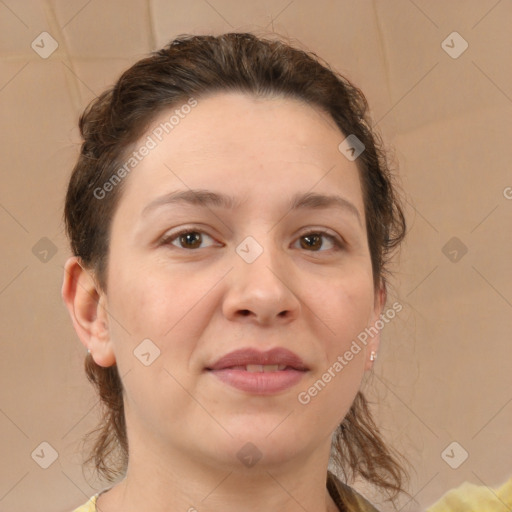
(207, 199)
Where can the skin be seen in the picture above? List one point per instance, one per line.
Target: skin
(185, 427)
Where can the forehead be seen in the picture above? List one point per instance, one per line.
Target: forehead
(233, 122)
(244, 145)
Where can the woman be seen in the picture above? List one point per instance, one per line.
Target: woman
(231, 214)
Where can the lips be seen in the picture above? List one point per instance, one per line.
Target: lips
(253, 360)
(259, 373)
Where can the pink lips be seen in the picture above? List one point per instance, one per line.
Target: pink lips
(279, 369)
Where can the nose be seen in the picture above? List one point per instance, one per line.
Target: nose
(261, 292)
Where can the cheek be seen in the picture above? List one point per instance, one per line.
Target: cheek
(169, 310)
(345, 309)
(161, 306)
(345, 306)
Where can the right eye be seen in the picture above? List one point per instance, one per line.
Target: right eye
(188, 239)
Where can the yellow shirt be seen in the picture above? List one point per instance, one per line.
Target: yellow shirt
(335, 487)
(90, 506)
(475, 498)
(465, 498)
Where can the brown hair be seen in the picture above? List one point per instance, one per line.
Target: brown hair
(196, 66)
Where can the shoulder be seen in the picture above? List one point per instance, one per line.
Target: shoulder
(90, 506)
(345, 497)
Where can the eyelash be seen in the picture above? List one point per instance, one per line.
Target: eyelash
(337, 244)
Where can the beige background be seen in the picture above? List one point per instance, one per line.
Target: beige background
(444, 370)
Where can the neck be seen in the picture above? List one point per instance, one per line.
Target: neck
(169, 481)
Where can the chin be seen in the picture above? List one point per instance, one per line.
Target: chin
(259, 446)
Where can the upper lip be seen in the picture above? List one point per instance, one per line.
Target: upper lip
(243, 357)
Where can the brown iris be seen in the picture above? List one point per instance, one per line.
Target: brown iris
(191, 240)
(312, 241)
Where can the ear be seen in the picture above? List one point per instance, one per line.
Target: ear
(86, 304)
(372, 347)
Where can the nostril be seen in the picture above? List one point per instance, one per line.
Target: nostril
(245, 312)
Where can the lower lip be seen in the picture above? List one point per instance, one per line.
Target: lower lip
(259, 383)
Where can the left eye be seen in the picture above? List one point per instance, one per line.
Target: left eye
(314, 241)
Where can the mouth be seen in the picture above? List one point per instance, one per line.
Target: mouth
(252, 360)
(259, 373)
(259, 368)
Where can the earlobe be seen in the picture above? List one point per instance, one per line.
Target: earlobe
(86, 303)
(372, 347)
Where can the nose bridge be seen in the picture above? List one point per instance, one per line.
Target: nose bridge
(260, 264)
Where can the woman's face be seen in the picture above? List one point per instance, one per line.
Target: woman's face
(217, 247)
